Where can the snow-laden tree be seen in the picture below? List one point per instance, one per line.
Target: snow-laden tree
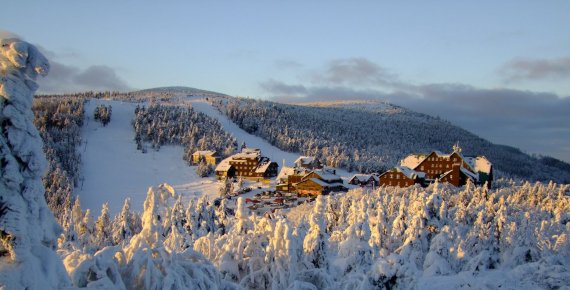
(123, 227)
(102, 235)
(315, 243)
(28, 230)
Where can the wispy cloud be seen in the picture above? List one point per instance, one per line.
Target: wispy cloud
(536, 69)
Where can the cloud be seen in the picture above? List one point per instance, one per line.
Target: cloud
(287, 64)
(280, 88)
(533, 121)
(65, 79)
(535, 69)
(355, 71)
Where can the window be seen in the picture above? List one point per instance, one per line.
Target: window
(454, 158)
(422, 168)
(451, 177)
(446, 165)
(397, 176)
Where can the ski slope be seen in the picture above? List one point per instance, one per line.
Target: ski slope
(113, 169)
(275, 154)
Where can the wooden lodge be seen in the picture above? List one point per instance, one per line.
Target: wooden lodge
(248, 164)
(210, 157)
(401, 176)
(307, 182)
(308, 162)
(364, 180)
(453, 168)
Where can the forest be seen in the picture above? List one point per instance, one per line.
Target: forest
(162, 124)
(392, 238)
(375, 140)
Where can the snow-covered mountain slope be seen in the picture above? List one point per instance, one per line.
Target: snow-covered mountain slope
(374, 137)
(113, 169)
(275, 154)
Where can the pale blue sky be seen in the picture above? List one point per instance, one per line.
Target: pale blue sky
(302, 48)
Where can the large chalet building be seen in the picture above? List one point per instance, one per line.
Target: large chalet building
(453, 168)
(248, 164)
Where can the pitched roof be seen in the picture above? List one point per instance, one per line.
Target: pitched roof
(224, 165)
(469, 174)
(408, 172)
(305, 160)
(285, 171)
(413, 160)
(479, 164)
(322, 183)
(362, 177)
(325, 175)
(263, 167)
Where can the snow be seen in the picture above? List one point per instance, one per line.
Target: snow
(413, 160)
(471, 175)
(28, 228)
(285, 171)
(305, 160)
(113, 169)
(479, 164)
(409, 172)
(275, 154)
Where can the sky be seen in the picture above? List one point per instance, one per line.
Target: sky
(500, 69)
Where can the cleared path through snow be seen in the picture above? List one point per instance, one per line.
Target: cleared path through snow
(113, 169)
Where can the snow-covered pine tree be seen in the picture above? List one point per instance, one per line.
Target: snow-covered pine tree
(28, 230)
(315, 243)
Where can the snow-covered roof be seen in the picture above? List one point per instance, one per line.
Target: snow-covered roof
(224, 165)
(325, 175)
(285, 171)
(247, 155)
(250, 150)
(413, 160)
(263, 167)
(410, 173)
(469, 174)
(479, 164)
(363, 177)
(305, 160)
(441, 154)
(323, 183)
(204, 153)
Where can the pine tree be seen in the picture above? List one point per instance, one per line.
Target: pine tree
(315, 242)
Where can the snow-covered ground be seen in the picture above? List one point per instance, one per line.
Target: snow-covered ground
(275, 154)
(113, 169)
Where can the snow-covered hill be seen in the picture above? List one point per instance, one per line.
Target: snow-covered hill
(113, 169)
(201, 105)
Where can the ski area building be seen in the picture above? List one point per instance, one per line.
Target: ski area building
(249, 164)
(364, 180)
(309, 182)
(453, 168)
(210, 157)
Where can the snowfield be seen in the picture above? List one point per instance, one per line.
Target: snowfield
(113, 169)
